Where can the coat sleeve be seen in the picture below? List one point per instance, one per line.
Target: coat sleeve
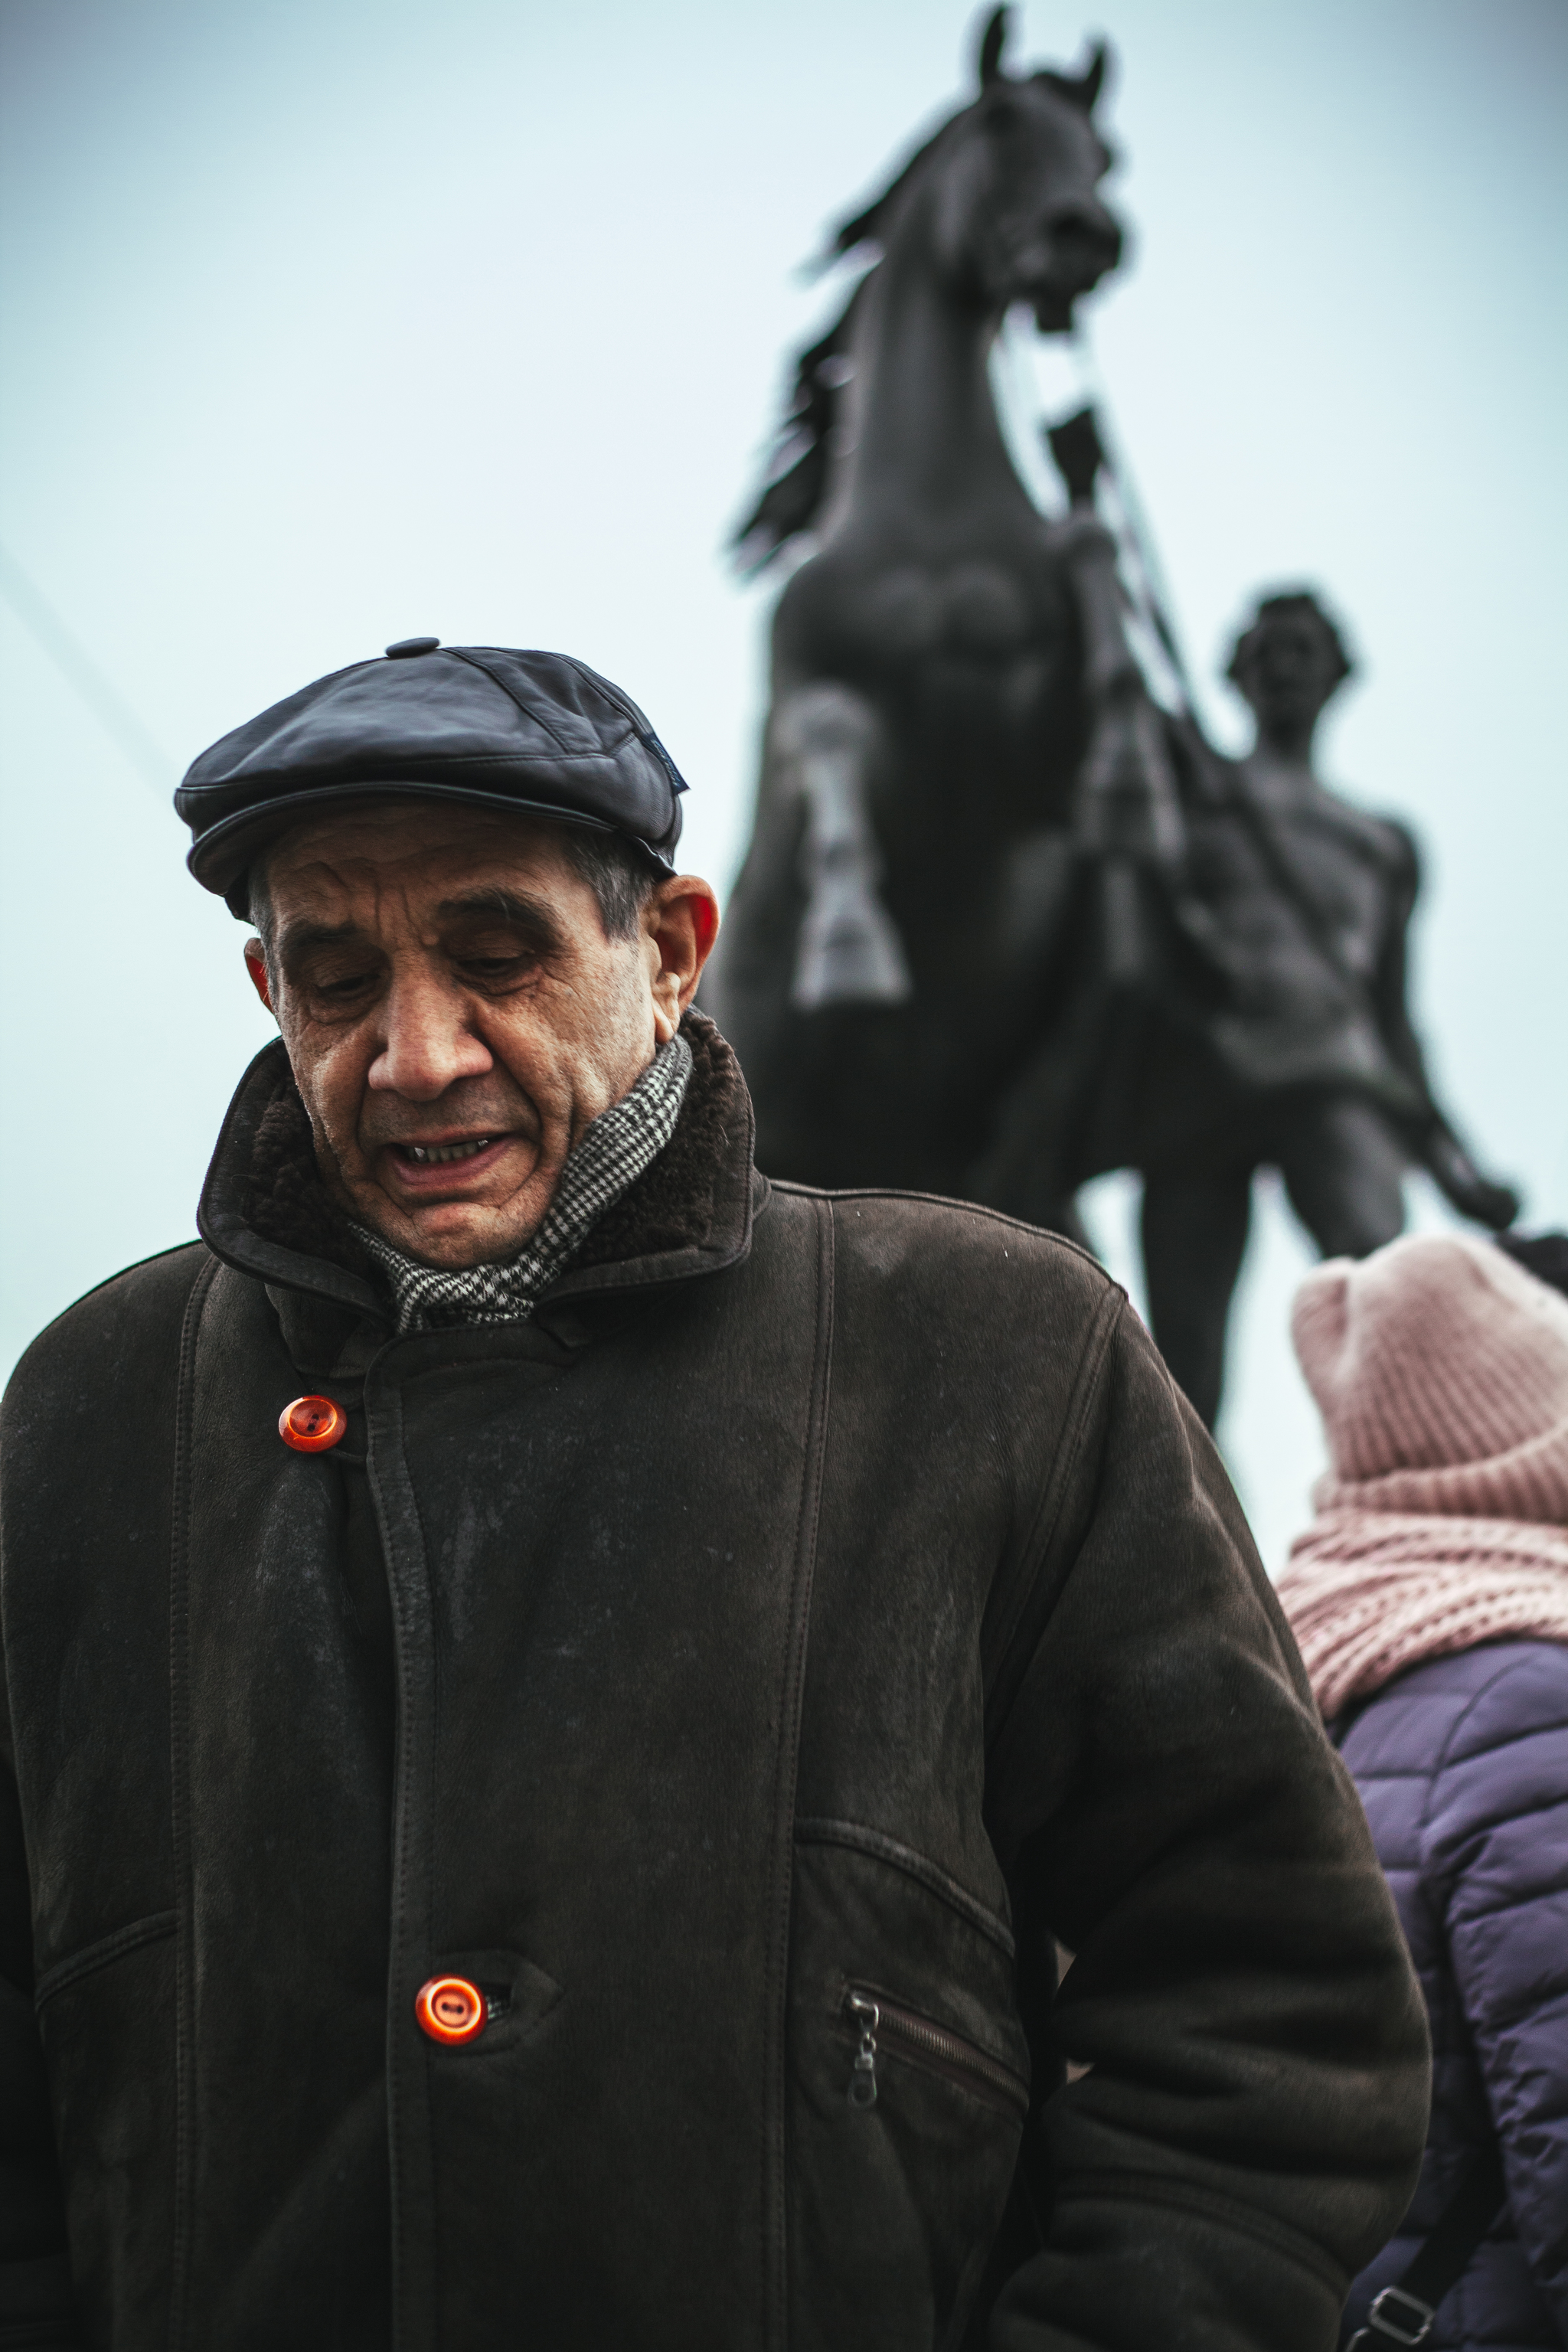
(1249, 2068)
(1495, 1842)
(34, 2274)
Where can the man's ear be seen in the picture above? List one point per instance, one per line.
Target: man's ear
(256, 965)
(682, 918)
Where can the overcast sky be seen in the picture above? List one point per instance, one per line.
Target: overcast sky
(327, 324)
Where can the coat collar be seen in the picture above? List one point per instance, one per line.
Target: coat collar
(265, 1211)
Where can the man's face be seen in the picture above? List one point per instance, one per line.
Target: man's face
(455, 1016)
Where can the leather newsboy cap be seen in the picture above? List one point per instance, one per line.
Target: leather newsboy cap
(534, 732)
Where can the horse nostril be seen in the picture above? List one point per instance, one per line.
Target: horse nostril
(1074, 212)
(1084, 234)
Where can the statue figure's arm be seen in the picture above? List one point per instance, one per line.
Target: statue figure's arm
(1127, 801)
(1390, 978)
(1436, 1143)
(1127, 814)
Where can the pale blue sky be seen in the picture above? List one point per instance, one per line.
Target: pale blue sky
(327, 324)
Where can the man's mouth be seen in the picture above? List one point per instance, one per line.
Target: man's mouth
(435, 1155)
(445, 1170)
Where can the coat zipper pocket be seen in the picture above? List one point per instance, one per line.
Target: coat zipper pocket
(878, 2024)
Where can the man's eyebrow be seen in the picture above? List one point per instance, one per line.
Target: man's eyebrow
(299, 936)
(534, 916)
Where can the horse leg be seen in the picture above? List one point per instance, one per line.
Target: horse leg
(824, 740)
(1344, 1168)
(1195, 1234)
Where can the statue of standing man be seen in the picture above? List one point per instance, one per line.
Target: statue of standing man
(1306, 1060)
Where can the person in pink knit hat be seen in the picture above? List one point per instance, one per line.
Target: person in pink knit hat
(1429, 1598)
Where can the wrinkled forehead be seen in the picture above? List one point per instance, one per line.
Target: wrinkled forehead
(414, 849)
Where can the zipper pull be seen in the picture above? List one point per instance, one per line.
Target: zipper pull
(863, 2079)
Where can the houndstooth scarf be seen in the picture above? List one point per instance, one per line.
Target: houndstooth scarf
(610, 1156)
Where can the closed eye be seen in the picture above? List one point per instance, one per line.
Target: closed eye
(496, 971)
(343, 986)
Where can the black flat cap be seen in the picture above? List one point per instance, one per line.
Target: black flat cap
(534, 732)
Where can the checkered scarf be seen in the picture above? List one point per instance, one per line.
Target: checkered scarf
(610, 1157)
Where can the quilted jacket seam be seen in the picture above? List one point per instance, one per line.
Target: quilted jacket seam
(1446, 1760)
(1489, 1909)
(1536, 1731)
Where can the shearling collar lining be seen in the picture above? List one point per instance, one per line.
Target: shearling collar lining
(266, 1211)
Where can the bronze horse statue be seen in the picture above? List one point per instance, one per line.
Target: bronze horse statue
(1005, 923)
(880, 973)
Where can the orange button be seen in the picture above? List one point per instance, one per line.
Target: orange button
(311, 1424)
(450, 2009)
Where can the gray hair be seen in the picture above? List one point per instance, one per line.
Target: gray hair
(617, 872)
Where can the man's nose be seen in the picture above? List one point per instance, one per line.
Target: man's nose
(427, 1042)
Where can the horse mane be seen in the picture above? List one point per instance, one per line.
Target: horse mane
(796, 477)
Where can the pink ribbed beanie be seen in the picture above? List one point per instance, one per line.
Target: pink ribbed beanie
(1440, 1369)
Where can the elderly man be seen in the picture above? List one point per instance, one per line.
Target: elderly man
(567, 1705)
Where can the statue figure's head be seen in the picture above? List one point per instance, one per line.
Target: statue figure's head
(1287, 662)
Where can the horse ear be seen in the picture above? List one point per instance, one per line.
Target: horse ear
(1083, 89)
(992, 41)
(1092, 80)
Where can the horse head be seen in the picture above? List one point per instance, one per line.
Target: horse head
(1019, 218)
(1014, 182)
(1003, 200)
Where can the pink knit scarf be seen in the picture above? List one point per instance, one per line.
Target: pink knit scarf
(1371, 1592)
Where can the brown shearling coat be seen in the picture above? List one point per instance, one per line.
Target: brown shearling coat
(748, 1672)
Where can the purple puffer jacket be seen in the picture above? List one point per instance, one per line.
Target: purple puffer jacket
(1462, 1764)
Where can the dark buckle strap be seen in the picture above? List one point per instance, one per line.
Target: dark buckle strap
(1441, 2259)
(1384, 2326)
